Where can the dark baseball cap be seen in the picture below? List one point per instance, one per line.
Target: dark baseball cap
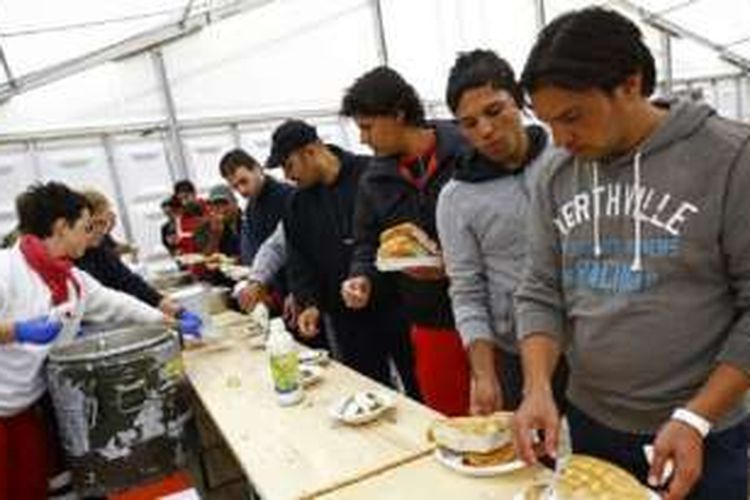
(288, 138)
(220, 192)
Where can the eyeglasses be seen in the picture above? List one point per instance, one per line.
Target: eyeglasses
(99, 223)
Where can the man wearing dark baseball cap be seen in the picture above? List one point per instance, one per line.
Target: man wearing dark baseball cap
(320, 242)
(288, 137)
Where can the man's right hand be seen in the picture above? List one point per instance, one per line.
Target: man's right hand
(41, 330)
(356, 292)
(250, 295)
(308, 321)
(486, 394)
(536, 413)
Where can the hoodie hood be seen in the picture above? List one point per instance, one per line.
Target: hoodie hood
(475, 167)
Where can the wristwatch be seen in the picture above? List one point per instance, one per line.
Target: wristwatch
(692, 419)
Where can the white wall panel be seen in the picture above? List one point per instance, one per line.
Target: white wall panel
(80, 165)
(16, 173)
(144, 176)
(204, 149)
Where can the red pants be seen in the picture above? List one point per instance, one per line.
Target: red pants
(24, 456)
(441, 369)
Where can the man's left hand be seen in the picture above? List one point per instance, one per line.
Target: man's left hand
(682, 444)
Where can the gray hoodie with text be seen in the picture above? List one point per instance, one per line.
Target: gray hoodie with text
(644, 260)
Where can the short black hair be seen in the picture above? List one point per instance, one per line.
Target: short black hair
(589, 48)
(41, 205)
(383, 92)
(184, 186)
(479, 68)
(235, 159)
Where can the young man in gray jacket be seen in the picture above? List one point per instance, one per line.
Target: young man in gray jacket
(481, 217)
(640, 266)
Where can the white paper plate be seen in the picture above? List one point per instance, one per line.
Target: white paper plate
(402, 263)
(191, 259)
(309, 375)
(386, 403)
(235, 272)
(454, 461)
(314, 356)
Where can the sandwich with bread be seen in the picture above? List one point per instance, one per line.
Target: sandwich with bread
(482, 441)
(406, 240)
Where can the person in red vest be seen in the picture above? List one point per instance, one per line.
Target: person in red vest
(414, 159)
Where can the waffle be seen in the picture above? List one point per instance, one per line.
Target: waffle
(589, 478)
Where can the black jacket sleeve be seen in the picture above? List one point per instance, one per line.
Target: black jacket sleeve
(107, 268)
(366, 237)
(300, 270)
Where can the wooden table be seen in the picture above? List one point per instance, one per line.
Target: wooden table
(299, 451)
(426, 479)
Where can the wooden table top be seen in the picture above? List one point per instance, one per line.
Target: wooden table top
(298, 451)
(427, 479)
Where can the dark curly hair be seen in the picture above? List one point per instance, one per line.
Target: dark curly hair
(383, 91)
(589, 48)
(41, 205)
(479, 68)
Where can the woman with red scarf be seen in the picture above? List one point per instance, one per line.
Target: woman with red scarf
(43, 299)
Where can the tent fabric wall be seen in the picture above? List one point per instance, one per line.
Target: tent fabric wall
(233, 81)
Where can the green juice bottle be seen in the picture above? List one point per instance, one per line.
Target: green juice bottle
(284, 366)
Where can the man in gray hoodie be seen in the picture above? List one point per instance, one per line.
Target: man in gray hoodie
(639, 266)
(481, 217)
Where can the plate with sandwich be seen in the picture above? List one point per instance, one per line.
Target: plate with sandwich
(406, 246)
(476, 446)
(590, 478)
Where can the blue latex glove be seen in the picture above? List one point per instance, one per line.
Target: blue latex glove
(41, 330)
(189, 324)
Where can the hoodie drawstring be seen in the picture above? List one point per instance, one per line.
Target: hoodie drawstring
(637, 265)
(597, 241)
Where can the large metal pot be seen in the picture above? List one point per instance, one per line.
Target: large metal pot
(121, 400)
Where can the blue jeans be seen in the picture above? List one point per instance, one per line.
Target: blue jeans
(725, 461)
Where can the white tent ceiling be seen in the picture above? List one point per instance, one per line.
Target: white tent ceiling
(284, 55)
(131, 95)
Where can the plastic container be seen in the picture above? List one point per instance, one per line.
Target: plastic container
(203, 301)
(284, 365)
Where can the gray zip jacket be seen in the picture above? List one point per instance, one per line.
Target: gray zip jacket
(646, 258)
(481, 219)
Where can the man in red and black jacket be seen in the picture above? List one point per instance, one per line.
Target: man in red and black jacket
(414, 159)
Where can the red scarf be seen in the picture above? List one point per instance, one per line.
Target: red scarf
(406, 164)
(54, 271)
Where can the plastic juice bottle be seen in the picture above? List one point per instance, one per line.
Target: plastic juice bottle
(284, 365)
